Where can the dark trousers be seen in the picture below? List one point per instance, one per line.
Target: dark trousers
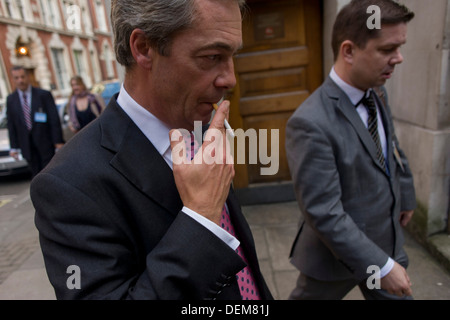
(37, 161)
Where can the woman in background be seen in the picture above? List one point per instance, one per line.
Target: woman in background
(83, 105)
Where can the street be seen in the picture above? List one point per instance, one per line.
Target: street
(274, 226)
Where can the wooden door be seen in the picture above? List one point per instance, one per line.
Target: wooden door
(278, 68)
(32, 77)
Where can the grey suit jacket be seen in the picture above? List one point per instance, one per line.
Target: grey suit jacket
(108, 204)
(351, 206)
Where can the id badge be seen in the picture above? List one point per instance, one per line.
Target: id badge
(397, 156)
(40, 117)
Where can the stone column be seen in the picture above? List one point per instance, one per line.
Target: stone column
(419, 96)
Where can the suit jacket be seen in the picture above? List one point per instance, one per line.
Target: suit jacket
(43, 135)
(108, 204)
(351, 206)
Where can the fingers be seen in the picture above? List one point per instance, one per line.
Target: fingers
(178, 147)
(222, 113)
(14, 154)
(405, 217)
(397, 282)
(203, 185)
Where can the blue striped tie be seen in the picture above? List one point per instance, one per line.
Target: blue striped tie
(372, 125)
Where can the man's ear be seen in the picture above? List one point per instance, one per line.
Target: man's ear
(141, 49)
(348, 51)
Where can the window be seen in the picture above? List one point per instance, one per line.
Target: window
(20, 9)
(86, 18)
(3, 85)
(108, 58)
(101, 17)
(62, 76)
(81, 66)
(72, 14)
(78, 56)
(14, 9)
(53, 18)
(44, 18)
(9, 8)
(95, 63)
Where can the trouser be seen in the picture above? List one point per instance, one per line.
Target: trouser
(312, 289)
(37, 161)
(309, 288)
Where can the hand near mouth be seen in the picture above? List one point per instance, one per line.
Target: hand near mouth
(204, 183)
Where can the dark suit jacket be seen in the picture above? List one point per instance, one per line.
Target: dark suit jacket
(108, 203)
(43, 136)
(350, 204)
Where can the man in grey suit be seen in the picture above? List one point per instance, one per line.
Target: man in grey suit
(352, 181)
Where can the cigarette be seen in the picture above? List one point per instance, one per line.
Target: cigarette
(227, 125)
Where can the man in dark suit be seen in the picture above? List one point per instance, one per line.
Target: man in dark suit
(352, 180)
(117, 206)
(33, 122)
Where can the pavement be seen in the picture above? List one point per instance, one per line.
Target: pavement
(274, 226)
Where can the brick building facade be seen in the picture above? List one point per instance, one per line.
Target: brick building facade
(55, 40)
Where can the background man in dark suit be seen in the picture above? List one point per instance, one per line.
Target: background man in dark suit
(33, 122)
(352, 181)
(137, 224)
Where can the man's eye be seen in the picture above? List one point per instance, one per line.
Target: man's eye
(388, 50)
(213, 57)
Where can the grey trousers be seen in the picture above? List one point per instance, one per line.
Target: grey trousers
(312, 289)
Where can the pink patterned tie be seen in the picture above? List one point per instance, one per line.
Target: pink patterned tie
(245, 278)
(246, 282)
(26, 112)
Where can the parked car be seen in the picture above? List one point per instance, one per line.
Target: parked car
(9, 165)
(106, 89)
(61, 106)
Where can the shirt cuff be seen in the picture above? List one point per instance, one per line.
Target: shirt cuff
(387, 268)
(231, 241)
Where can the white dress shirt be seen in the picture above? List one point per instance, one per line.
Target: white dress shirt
(157, 133)
(355, 95)
(28, 93)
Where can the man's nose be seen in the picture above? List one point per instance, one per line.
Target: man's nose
(227, 78)
(398, 59)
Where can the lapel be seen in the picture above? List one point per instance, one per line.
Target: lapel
(346, 107)
(35, 102)
(241, 225)
(245, 237)
(388, 128)
(16, 102)
(137, 159)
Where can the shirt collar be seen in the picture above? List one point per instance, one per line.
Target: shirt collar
(354, 94)
(27, 91)
(156, 131)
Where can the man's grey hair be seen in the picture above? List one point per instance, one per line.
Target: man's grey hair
(160, 20)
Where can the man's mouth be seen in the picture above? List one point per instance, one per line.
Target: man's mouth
(388, 75)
